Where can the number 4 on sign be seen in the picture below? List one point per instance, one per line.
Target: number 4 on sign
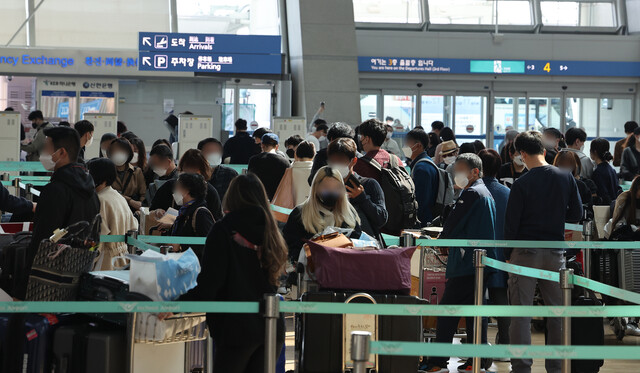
(547, 67)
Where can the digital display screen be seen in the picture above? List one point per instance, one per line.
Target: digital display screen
(496, 67)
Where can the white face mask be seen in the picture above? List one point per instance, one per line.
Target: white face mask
(214, 159)
(104, 152)
(135, 157)
(342, 169)
(461, 180)
(449, 160)
(177, 197)
(159, 171)
(389, 135)
(89, 142)
(518, 160)
(119, 159)
(47, 162)
(407, 151)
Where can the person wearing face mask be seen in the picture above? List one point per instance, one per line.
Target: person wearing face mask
(448, 154)
(540, 203)
(194, 218)
(327, 206)
(191, 162)
(221, 175)
(338, 130)
(85, 130)
(372, 135)
(105, 140)
(117, 218)
(319, 133)
(164, 168)
(68, 198)
(139, 154)
(424, 173)
(576, 138)
(569, 162)
(553, 141)
(291, 143)
(34, 148)
(390, 145)
(364, 194)
(630, 163)
(446, 134)
(269, 166)
(511, 171)
(129, 179)
(472, 217)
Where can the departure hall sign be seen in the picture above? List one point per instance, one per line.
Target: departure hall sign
(212, 53)
(506, 67)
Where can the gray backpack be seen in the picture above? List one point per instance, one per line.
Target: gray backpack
(445, 193)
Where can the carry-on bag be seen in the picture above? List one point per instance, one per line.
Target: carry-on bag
(58, 264)
(13, 263)
(587, 331)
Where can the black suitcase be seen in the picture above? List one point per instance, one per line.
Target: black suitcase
(319, 337)
(587, 331)
(88, 347)
(13, 263)
(105, 288)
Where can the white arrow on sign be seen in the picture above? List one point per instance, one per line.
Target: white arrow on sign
(146, 61)
(146, 40)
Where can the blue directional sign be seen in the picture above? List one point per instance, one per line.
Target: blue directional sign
(214, 43)
(210, 62)
(512, 67)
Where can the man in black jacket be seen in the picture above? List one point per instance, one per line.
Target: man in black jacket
(338, 130)
(269, 166)
(69, 197)
(240, 147)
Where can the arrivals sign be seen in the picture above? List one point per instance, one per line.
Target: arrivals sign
(213, 53)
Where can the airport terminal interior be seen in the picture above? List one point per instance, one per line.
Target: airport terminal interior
(319, 186)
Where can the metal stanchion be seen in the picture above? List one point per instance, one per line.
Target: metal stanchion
(29, 195)
(587, 235)
(16, 185)
(566, 285)
(478, 297)
(407, 240)
(271, 313)
(133, 234)
(360, 351)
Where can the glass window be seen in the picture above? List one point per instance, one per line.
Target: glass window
(470, 118)
(435, 108)
(508, 113)
(12, 15)
(544, 113)
(400, 112)
(255, 106)
(387, 11)
(576, 13)
(97, 23)
(228, 117)
(614, 112)
(368, 106)
(583, 113)
(480, 12)
(239, 17)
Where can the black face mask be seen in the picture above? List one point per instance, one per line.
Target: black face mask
(329, 199)
(34, 125)
(291, 153)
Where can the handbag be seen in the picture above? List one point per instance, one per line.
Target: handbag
(373, 270)
(284, 196)
(58, 265)
(335, 239)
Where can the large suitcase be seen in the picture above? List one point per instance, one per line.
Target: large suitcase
(106, 286)
(587, 331)
(319, 337)
(87, 347)
(13, 258)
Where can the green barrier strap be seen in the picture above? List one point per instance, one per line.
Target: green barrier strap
(520, 270)
(504, 351)
(454, 310)
(114, 238)
(530, 244)
(34, 183)
(282, 210)
(126, 307)
(173, 240)
(21, 166)
(237, 167)
(573, 227)
(141, 245)
(605, 289)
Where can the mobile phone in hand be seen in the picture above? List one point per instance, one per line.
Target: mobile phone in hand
(353, 181)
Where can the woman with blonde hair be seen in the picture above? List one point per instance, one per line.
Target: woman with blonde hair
(327, 206)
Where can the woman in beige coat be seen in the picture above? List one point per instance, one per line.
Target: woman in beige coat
(117, 217)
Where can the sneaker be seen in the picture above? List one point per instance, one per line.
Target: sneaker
(431, 368)
(468, 366)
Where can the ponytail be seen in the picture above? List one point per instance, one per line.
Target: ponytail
(600, 147)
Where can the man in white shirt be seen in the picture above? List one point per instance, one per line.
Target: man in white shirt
(318, 134)
(390, 145)
(576, 137)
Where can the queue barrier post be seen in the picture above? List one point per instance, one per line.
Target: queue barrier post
(587, 235)
(133, 234)
(478, 297)
(271, 314)
(16, 185)
(360, 347)
(28, 192)
(566, 285)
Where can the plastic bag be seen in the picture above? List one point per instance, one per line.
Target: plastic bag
(163, 277)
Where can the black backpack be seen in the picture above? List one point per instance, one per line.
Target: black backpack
(399, 194)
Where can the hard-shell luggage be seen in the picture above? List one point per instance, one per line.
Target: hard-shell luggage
(587, 331)
(86, 347)
(13, 263)
(319, 337)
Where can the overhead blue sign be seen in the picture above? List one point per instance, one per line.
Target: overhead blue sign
(211, 62)
(63, 110)
(91, 106)
(97, 94)
(531, 67)
(214, 43)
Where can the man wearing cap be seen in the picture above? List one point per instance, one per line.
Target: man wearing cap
(269, 166)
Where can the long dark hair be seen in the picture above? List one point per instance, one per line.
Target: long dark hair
(247, 191)
(447, 134)
(600, 147)
(142, 152)
(193, 158)
(631, 141)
